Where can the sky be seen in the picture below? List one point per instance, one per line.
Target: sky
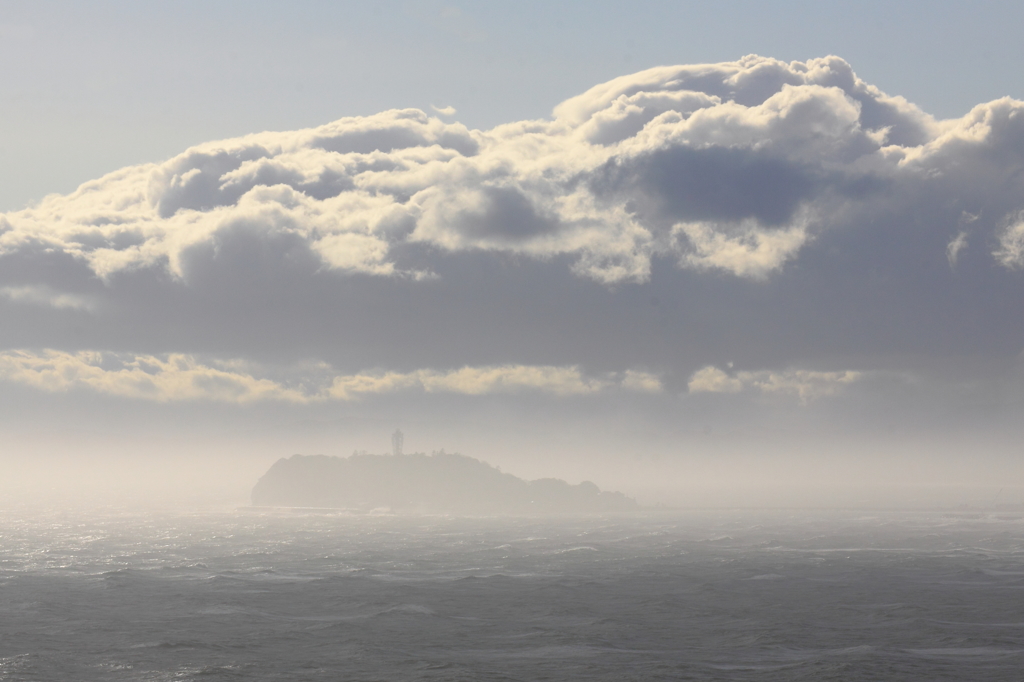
(747, 253)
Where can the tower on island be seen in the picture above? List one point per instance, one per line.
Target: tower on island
(397, 441)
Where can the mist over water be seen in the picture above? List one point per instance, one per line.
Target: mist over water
(109, 593)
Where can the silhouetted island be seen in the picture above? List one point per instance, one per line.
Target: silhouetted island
(438, 483)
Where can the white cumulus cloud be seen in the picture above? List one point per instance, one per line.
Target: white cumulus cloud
(787, 211)
(804, 384)
(178, 377)
(605, 181)
(1011, 243)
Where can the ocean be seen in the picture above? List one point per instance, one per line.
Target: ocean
(245, 594)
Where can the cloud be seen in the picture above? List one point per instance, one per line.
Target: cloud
(179, 377)
(779, 214)
(1010, 253)
(749, 252)
(645, 382)
(806, 385)
(606, 181)
(713, 380)
(955, 246)
(470, 381)
(45, 296)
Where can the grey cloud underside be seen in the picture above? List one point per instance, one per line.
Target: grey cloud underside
(540, 313)
(758, 212)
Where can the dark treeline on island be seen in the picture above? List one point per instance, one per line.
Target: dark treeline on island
(437, 483)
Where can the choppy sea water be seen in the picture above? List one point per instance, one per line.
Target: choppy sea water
(250, 595)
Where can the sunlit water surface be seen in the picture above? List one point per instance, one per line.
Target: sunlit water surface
(251, 595)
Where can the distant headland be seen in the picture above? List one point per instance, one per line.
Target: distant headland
(418, 483)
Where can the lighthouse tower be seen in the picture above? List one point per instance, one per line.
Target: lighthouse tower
(397, 440)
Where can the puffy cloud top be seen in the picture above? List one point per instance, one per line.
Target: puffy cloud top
(771, 213)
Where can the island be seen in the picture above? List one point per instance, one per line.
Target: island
(445, 483)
